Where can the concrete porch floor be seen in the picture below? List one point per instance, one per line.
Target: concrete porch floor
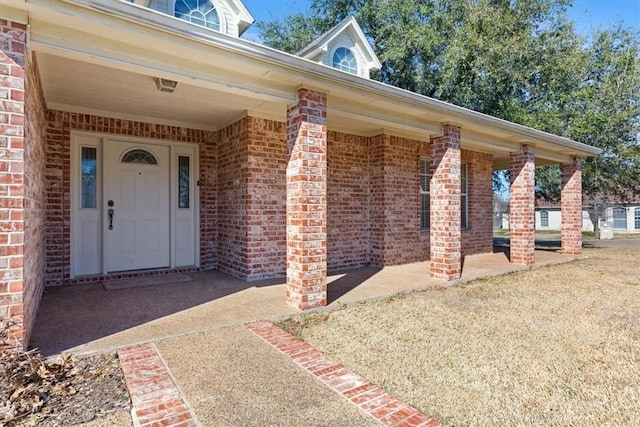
(87, 318)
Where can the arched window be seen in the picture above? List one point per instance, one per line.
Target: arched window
(619, 218)
(200, 12)
(544, 218)
(345, 60)
(141, 157)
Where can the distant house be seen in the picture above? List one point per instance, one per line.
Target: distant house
(623, 217)
(145, 137)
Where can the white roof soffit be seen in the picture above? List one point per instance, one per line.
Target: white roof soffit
(167, 31)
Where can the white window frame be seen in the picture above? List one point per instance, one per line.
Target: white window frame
(636, 217)
(356, 71)
(425, 209)
(544, 218)
(622, 218)
(464, 196)
(221, 22)
(425, 225)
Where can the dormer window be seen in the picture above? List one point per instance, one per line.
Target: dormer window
(199, 12)
(345, 60)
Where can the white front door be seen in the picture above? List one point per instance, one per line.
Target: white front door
(136, 206)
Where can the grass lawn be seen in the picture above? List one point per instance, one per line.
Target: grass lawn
(557, 346)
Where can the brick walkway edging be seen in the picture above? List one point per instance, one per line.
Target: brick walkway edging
(367, 396)
(155, 398)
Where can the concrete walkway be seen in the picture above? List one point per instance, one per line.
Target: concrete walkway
(86, 318)
(197, 353)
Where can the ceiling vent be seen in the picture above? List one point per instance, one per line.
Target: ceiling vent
(165, 85)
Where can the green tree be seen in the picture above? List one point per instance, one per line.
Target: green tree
(518, 60)
(597, 102)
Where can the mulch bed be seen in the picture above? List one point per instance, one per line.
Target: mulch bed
(61, 392)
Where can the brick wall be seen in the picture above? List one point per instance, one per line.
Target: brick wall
(22, 191)
(267, 198)
(522, 206)
(58, 177)
(373, 196)
(478, 237)
(395, 201)
(232, 199)
(348, 201)
(445, 231)
(307, 200)
(208, 200)
(571, 205)
(12, 141)
(34, 197)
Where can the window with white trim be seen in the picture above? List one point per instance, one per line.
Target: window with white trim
(425, 177)
(199, 12)
(544, 218)
(425, 194)
(637, 218)
(464, 196)
(619, 218)
(345, 60)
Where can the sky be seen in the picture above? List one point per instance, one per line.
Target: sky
(587, 14)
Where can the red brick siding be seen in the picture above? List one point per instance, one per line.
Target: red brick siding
(58, 174)
(34, 197)
(521, 206)
(307, 201)
(445, 231)
(478, 237)
(267, 198)
(377, 191)
(395, 201)
(232, 199)
(571, 205)
(208, 201)
(12, 177)
(347, 201)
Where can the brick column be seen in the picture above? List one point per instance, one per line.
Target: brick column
(307, 201)
(571, 205)
(12, 84)
(445, 233)
(522, 206)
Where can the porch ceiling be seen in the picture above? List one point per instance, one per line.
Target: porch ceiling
(83, 87)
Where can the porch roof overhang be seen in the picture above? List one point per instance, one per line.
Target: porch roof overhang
(100, 57)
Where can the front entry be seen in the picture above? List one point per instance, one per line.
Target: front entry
(134, 205)
(136, 200)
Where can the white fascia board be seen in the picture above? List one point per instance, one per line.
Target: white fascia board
(325, 78)
(13, 14)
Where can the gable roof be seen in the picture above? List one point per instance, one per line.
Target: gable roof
(244, 18)
(348, 25)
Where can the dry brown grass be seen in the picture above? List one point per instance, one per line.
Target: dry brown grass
(557, 346)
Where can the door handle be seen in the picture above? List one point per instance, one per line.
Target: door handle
(110, 212)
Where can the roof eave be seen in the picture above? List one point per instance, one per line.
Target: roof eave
(327, 78)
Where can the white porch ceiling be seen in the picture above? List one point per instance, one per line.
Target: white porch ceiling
(83, 87)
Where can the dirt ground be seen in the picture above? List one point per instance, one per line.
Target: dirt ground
(62, 391)
(553, 346)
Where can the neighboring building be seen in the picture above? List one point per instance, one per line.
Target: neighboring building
(143, 138)
(622, 217)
